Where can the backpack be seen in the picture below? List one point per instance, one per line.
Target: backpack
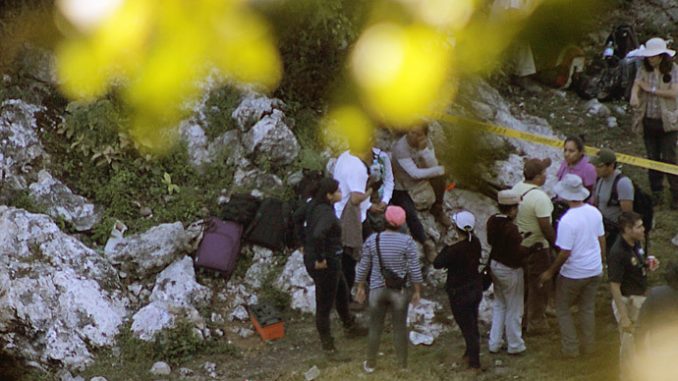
(642, 202)
(272, 226)
(623, 39)
(240, 208)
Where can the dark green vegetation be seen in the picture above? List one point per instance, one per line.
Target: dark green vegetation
(93, 155)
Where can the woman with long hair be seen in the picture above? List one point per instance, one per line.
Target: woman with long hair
(322, 258)
(654, 97)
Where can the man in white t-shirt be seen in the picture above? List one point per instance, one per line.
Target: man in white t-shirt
(581, 239)
(352, 173)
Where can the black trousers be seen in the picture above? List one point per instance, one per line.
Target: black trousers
(330, 291)
(464, 302)
(660, 146)
(402, 199)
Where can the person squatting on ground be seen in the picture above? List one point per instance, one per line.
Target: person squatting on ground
(352, 173)
(604, 198)
(506, 259)
(577, 163)
(464, 285)
(654, 98)
(581, 239)
(627, 273)
(395, 252)
(418, 176)
(322, 259)
(534, 223)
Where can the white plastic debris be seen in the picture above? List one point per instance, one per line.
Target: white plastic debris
(312, 373)
(417, 338)
(240, 313)
(421, 319)
(116, 236)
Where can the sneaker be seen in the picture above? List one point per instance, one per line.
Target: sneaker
(368, 369)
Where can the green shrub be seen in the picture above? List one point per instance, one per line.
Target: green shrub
(218, 109)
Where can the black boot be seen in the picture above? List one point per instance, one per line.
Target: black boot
(328, 344)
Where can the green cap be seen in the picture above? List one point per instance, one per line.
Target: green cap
(605, 157)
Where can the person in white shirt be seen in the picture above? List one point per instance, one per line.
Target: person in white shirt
(352, 173)
(581, 239)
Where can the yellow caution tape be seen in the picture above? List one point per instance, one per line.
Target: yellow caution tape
(547, 141)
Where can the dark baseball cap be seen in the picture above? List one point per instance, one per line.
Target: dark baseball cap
(604, 157)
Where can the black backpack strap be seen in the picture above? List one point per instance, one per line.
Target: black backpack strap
(614, 194)
(381, 264)
(528, 191)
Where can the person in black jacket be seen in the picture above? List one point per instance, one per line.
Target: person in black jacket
(322, 258)
(464, 285)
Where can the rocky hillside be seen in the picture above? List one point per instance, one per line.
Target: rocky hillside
(96, 238)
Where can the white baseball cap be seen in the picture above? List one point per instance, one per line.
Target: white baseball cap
(464, 220)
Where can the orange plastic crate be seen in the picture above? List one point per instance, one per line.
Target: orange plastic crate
(266, 322)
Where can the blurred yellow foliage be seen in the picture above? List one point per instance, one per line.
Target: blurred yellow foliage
(404, 65)
(348, 125)
(160, 50)
(403, 72)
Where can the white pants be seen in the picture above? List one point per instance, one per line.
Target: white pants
(507, 312)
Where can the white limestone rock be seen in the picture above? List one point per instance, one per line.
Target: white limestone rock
(253, 108)
(193, 134)
(151, 251)
(161, 368)
(60, 201)
(20, 146)
(295, 280)
(271, 141)
(177, 287)
(262, 264)
(62, 299)
(151, 319)
(255, 178)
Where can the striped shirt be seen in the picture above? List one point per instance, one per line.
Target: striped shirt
(398, 253)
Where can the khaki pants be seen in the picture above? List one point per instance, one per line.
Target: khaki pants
(633, 304)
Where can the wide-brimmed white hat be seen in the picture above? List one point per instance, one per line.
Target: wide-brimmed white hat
(654, 47)
(571, 188)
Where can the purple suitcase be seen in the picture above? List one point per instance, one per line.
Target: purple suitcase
(220, 247)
